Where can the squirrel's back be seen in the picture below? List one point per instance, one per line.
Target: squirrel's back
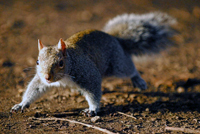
(96, 45)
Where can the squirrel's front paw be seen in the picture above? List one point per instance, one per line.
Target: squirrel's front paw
(89, 113)
(17, 107)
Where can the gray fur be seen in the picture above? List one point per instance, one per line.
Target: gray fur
(142, 34)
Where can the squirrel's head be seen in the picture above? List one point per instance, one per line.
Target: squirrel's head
(51, 62)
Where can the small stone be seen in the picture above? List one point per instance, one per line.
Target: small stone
(31, 118)
(153, 119)
(144, 114)
(159, 113)
(20, 91)
(32, 126)
(72, 124)
(195, 120)
(95, 119)
(147, 109)
(131, 97)
(180, 89)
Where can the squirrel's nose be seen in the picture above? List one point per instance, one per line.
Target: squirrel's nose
(47, 77)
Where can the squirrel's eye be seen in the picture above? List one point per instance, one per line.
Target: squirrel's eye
(61, 63)
(37, 62)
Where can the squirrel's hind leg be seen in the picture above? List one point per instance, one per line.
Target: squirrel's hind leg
(138, 82)
(123, 66)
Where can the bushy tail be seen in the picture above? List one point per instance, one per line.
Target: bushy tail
(141, 34)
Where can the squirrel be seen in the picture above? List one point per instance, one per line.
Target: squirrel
(81, 61)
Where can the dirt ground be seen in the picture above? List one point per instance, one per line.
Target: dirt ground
(171, 100)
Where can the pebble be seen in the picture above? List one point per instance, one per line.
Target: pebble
(31, 126)
(195, 120)
(20, 92)
(153, 119)
(180, 89)
(147, 109)
(72, 124)
(95, 119)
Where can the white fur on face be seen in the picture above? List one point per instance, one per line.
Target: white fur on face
(48, 65)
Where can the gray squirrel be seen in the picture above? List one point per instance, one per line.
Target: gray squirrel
(81, 61)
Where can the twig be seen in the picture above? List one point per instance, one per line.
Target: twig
(127, 115)
(76, 122)
(185, 130)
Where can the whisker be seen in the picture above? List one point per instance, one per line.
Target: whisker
(28, 69)
(63, 74)
(32, 74)
(28, 76)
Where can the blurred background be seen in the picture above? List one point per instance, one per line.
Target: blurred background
(23, 22)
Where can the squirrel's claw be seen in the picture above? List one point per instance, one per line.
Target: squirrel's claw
(88, 113)
(17, 107)
(24, 107)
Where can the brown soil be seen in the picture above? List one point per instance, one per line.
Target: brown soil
(173, 95)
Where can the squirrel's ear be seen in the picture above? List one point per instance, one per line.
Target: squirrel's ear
(40, 45)
(62, 46)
